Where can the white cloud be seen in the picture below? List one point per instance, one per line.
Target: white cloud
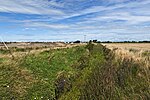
(75, 23)
(131, 19)
(29, 7)
(99, 9)
(46, 25)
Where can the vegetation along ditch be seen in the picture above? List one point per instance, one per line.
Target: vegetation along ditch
(91, 72)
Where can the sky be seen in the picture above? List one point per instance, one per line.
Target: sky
(70, 20)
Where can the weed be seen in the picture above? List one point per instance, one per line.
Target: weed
(3, 51)
(133, 50)
(146, 53)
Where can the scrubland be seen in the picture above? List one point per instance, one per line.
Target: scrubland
(84, 72)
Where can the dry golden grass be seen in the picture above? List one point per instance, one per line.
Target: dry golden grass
(136, 51)
(138, 46)
(33, 50)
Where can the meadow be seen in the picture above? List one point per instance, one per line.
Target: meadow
(81, 72)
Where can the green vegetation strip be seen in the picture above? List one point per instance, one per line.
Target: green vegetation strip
(80, 73)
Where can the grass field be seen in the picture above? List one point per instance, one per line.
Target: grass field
(138, 46)
(84, 72)
(32, 76)
(137, 51)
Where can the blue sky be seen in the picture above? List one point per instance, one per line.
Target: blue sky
(68, 20)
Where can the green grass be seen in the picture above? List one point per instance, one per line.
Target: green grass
(78, 73)
(109, 79)
(46, 65)
(14, 81)
(42, 69)
(1, 60)
(2, 51)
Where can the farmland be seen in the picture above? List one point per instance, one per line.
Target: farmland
(73, 72)
(137, 51)
(138, 46)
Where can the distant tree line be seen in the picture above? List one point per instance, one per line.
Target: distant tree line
(78, 41)
(123, 41)
(96, 41)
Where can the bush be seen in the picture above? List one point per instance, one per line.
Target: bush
(77, 41)
(90, 46)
